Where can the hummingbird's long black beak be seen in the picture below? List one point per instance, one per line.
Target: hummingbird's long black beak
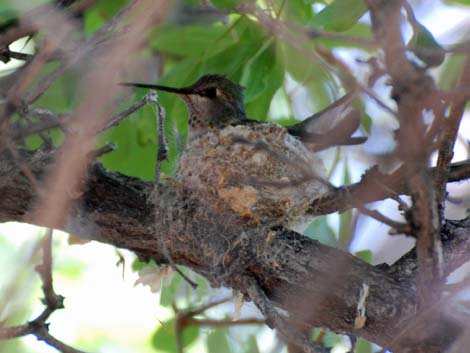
(184, 90)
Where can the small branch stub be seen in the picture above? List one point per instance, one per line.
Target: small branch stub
(360, 320)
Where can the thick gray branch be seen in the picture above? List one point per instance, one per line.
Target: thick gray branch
(317, 285)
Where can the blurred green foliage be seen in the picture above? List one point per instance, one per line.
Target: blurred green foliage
(217, 341)
(164, 338)
(320, 230)
(340, 15)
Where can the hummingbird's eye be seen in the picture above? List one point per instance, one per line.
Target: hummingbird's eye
(210, 92)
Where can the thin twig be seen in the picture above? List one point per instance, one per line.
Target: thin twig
(39, 326)
(375, 188)
(23, 113)
(57, 121)
(162, 155)
(41, 87)
(185, 318)
(116, 120)
(448, 138)
(399, 227)
(162, 149)
(82, 50)
(207, 306)
(44, 335)
(224, 323)
(109, 147)
(6, 55)
(23, 167)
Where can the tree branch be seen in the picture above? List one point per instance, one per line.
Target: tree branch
(39, 326)
(317, 285)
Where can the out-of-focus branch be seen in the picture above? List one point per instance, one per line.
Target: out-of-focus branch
(88, 118)
(39, 326)
(118, 118)
(186, 318)
(6, 55)
(282, 28)
(27, 27)
(48, 120)
(448, 138)
(414, 91)
(376, 186)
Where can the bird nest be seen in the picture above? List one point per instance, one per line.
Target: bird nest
(256, 171)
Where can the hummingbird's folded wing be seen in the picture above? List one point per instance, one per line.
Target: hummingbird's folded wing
(330, 127)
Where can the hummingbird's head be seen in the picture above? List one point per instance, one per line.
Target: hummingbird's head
(213, 101)
(217, 86)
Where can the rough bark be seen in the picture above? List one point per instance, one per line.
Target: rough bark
(315, 284)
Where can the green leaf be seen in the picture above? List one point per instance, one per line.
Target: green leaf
(92, 21)
(451, 71)
(308, 73)
(225, 4)
(347, 175)
(232, 60)
(96, 16)
(460, 2)
(203, 286)
(331, 339)
(138, 265)
(425, 47)
(192, 40)
(364, 255)
(217, 341)
(168, 294)
(135, 155)
(297, 11)
(363, 346)
(288, 121)
(107, 9)
(262, 71)
(247, 30)
(205, 41)
(345, 227)
(7, 14)
(62, 95)
(346, 218)
(251, 346)
(366, 122)
(359, 30)
(320, 230)
(262, 78)
(340, 15)
(164, 338)
(256, 73)
(13, 346)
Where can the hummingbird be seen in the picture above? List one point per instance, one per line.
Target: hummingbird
(214, 102)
